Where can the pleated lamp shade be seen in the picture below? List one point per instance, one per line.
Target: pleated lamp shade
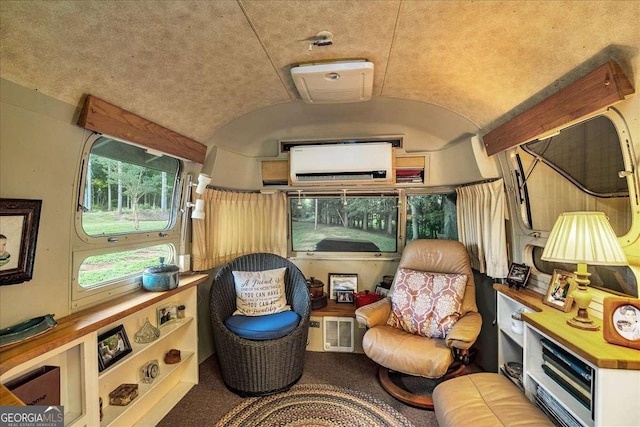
(584, 238)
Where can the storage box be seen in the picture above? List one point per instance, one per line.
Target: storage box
(123, 395)
(38, 387)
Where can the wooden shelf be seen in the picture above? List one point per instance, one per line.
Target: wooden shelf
(334, 309)
(9, 399)
(275, 172)
(112, 414)
(87, 321)
(590, 345)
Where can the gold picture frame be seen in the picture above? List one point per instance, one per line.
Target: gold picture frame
(559, 292)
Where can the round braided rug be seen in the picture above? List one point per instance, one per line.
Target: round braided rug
(316, 405)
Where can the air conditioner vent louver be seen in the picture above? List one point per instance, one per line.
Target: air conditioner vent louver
(353, 163)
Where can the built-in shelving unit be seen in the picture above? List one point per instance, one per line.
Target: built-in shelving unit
(274, 172)
(606, 396)
(73, 346)
(408, 171)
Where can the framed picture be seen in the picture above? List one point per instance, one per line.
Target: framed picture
(166, 314)
(19, 221)
(559, 291)
(621, 321)
(344, 296)
(381, 290)
(342, 282)
(518, 275)
(113, 345)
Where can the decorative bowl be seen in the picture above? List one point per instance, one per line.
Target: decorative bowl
(159, 278)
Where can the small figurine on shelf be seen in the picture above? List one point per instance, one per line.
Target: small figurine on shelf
(181, 311)
(172, 356)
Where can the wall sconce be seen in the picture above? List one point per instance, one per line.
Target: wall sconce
(201, 186)
(198, 212)
(344, 197)
(203, 181)
(299, 199)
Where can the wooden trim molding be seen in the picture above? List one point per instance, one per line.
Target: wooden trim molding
(599, 89)
(101, 116)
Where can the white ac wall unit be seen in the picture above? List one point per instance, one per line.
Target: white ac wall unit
(338, 334)
(336, 82)
(356, 163)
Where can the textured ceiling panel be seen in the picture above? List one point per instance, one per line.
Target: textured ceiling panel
(362, 30)
(196, 66)
(482, 59)
(189, 66)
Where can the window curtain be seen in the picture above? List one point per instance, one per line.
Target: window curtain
(481, 226)
(238, 223)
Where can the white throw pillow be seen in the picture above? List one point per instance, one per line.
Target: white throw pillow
(260, 292)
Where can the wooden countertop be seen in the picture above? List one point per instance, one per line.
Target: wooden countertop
(87, 321)
(9, 399)
(336, 309)
(590, 345)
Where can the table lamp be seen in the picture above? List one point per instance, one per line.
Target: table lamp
(583, 238)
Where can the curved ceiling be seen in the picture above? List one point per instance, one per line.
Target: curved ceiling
(195, 66)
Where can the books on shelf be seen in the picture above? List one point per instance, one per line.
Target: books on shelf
(409, 176)
(562, 381)
(576, 365)
(569, 372)
(575, 379)
(555, 411)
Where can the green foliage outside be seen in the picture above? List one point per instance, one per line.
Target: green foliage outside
(432, 216)
(99, 223)
(104, 268)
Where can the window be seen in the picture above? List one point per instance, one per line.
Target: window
(616, 279)
(126, 217)
(127, 189)
(576, 170)
(432, 216)
(344, 224)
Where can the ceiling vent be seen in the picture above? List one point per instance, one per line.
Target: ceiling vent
(335, 82)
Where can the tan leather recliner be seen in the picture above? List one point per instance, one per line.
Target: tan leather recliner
(397, 350)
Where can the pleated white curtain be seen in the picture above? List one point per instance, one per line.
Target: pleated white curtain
(481, 226)
(238, 223)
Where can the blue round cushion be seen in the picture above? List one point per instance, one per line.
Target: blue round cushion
(266, 327)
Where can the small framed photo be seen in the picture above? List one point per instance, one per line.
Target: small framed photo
(113, 345)
(166, 314)
(621, 321)
(19, 221)
(381, 290)
(518, 275)
(344, 296)
(342, 282)
(559, 291)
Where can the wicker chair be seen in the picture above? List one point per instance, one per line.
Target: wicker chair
(257, 368)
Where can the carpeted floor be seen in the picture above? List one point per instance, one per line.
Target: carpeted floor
(209, 401)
